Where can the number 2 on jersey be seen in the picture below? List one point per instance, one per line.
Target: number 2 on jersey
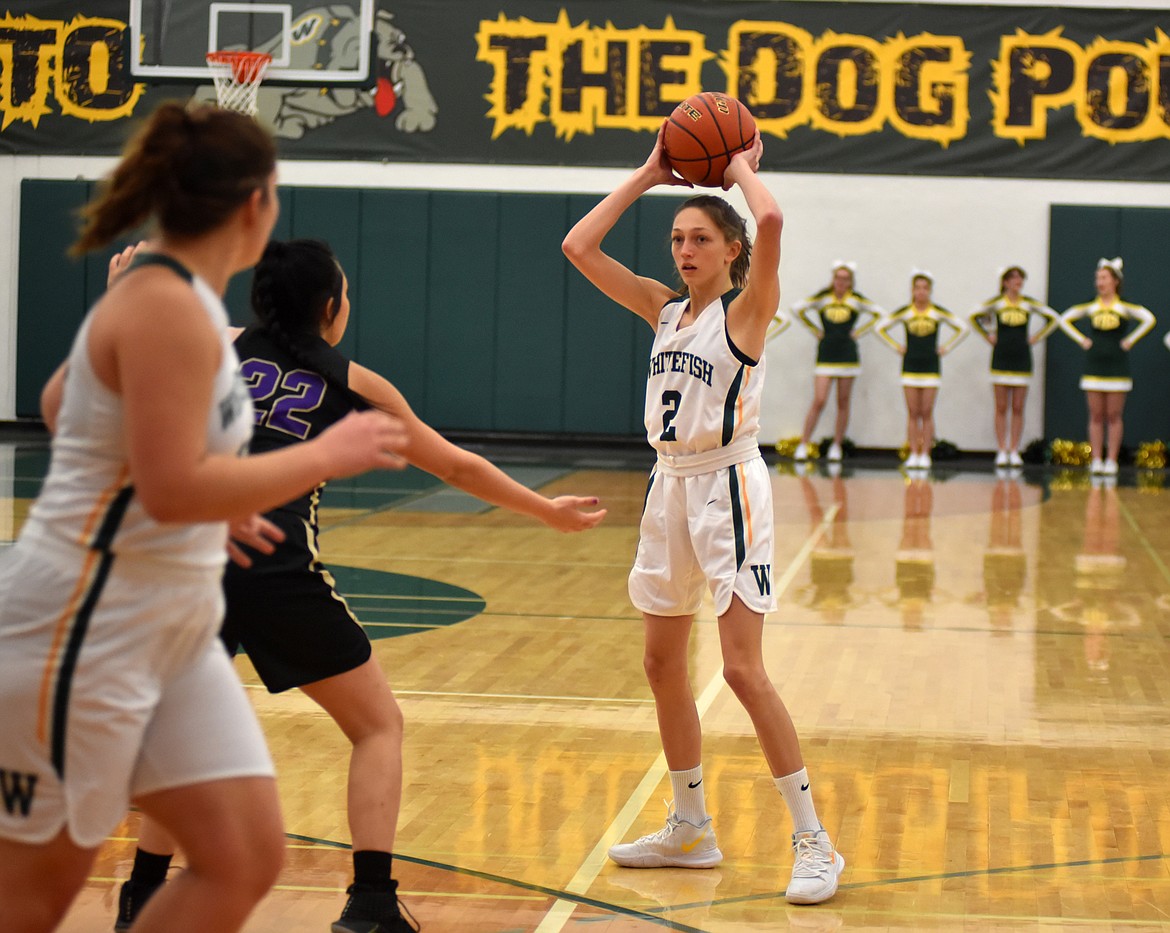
(670, 402)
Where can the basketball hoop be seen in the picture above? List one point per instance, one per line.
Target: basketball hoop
(237, 77)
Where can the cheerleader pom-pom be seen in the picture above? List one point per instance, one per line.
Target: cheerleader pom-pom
(1151, 456)
(904, 452)
(1071, 453)
(787, 447)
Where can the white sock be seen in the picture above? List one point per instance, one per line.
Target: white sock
(794, 788)
(688, 795)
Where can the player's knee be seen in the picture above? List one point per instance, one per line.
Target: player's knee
(249, 865)
(746, 680)
(660, 669)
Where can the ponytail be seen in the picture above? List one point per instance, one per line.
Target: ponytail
(292, 287)
(187, 169)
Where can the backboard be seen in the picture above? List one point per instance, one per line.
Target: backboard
(313, 41)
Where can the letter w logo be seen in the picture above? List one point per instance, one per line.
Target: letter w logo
(763, 575)
(17, 790)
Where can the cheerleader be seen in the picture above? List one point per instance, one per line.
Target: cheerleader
(1114, 327)
(921, 369)
(1003, 322)
(838, 315)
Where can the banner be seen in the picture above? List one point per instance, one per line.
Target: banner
(834, 87)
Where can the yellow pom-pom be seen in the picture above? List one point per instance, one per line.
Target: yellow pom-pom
(1071, 453)
(1151, 456)
(904, 452)
(787, 446)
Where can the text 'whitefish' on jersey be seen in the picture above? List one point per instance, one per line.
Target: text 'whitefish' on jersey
(679, 361)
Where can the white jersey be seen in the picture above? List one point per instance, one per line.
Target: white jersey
(702, 392)
(88, 497)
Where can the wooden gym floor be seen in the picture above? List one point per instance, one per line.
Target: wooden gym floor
(977, 666)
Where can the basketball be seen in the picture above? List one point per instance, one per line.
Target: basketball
(703, 133)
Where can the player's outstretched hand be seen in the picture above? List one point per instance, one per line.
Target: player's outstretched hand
(364, 440)
(569, 513)
(120, 262)
(255, 531)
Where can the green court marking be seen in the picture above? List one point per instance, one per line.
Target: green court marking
(413, 604)
(649, 917)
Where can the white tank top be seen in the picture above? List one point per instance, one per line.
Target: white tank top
(702, 392)
(88, 496)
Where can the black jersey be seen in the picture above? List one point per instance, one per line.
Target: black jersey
(295, 397)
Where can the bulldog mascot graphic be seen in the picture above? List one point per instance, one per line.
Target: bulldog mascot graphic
(330, 36)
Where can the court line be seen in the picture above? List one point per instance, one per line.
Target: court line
(560, 912)
(513, 882)
(1146, 545)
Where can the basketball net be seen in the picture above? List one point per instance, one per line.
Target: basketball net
(237, 77)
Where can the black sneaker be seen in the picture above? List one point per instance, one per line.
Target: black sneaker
(131, 899)
(374, 910)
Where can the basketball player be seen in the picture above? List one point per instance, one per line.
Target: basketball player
(844, 315)
(113, 684)
(921, 353)
(708, 512)
(283, 609)
(1114, 327)
(1004, 322)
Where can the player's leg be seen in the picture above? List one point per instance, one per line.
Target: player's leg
(231, 835)
(362, 704)
(152, 861)
(39, 882)
(688, 838)
(817, 865)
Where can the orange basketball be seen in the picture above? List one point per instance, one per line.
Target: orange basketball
(703, 133)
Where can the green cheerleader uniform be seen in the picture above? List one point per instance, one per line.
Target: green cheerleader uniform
(1011, 357)
(1107, 361)
(837, 349)
(920, 363)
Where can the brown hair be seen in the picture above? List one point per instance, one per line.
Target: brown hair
(187, 169)
(1007, 272)
(731, 225)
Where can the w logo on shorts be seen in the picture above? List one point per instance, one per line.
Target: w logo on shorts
(763, 575)
(17, 790)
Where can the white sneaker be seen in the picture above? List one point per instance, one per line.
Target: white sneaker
(835, 452)
(817, 868)
(679, 844)
(1109, 468)
(911, 461)
(1001, 458)
(1014, 459)
(1097, 466)
(801, 452)
(924, 461)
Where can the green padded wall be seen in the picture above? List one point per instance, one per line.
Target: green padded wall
(462, 299)
(1079, 236)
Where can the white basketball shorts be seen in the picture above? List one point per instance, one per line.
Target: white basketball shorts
(709, 530)
(113, 685)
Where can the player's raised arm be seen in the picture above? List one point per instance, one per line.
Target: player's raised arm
(582, 245)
